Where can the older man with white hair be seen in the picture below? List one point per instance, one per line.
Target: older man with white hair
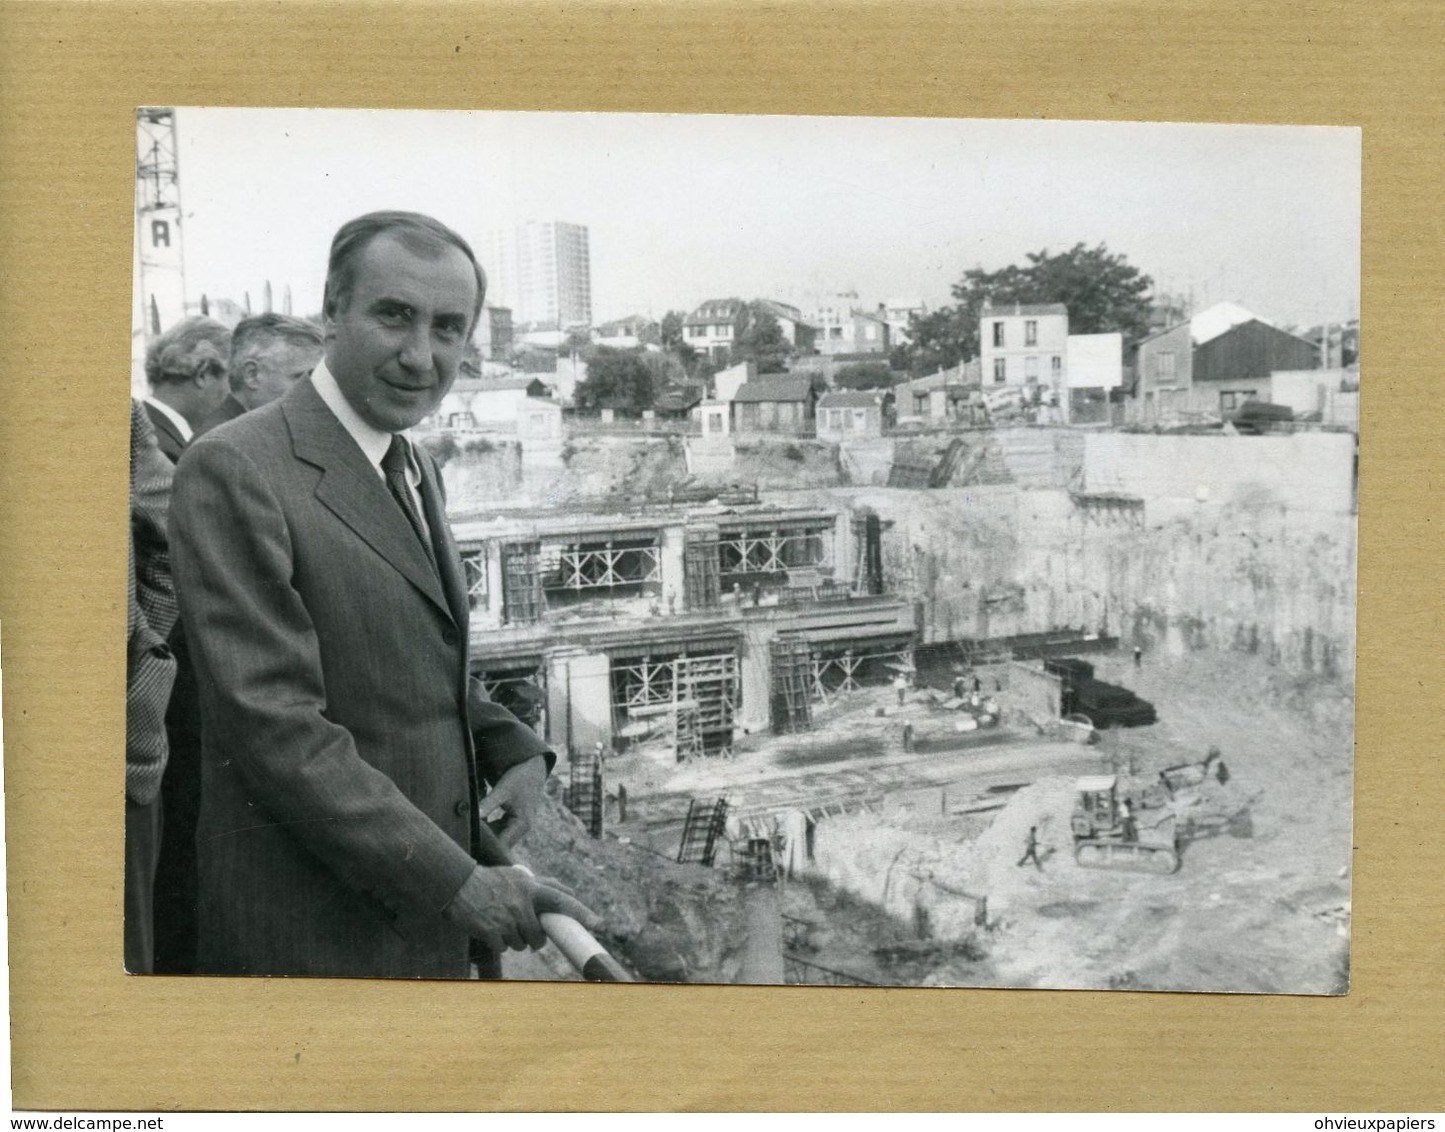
(186, 369)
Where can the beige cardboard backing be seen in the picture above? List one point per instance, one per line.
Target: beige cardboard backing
(85, 1035)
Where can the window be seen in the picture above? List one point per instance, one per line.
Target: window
(1031, 333)
(1031, 368)
(998, 334)
(1164, 365)
(835, 332)
(998, 370)
(1057, 365)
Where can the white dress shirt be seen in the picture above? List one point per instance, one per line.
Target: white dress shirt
(372, 441)
(183, 426)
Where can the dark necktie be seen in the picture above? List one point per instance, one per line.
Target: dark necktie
(393, 464)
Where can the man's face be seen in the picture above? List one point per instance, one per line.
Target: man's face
(395, 342)
(276, 370)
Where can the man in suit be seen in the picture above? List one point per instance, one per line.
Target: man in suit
(269, 354)
(150, 670)
(186, 369)
(326, 609)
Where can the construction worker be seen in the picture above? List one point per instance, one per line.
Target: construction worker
(900, 685)
(1138, 657)
(1126, 819)
(1031, 850)
(908, 737)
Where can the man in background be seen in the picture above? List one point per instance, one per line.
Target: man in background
(186, 368)
(150, 669)
(269, 354)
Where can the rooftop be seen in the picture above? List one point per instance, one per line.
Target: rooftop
(774, 389)
(1032, 310)
(854, 399)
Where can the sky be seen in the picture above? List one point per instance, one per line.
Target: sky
(683, 208)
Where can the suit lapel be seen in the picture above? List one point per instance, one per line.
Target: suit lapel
(353, 491)
(448, 560)
(172, 443)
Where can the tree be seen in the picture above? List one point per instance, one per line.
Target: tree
(864, 375)
(1103, 291)
(762, 342)
(938, 340)
(670, 335)
(616, 379)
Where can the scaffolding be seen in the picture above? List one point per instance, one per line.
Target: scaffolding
(702, 587)
(701, 691)
(791, 692)
(474, 567)
(590, 566)
(755, 553)
(854, 667)
(522, 601)
(687, 737)
(584, 793)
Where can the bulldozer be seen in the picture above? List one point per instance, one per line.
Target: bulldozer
(1121, 831)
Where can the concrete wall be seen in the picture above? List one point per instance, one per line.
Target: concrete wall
(1031, 695)
(995, 561)
(1304, 471)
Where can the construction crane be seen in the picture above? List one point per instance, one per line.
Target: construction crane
(160, 262)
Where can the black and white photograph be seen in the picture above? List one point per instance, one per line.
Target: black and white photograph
(906, 552)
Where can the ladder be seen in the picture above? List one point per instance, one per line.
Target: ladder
(700, 832)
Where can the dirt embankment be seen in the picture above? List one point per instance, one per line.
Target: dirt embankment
(665, 922)
(1261, 903)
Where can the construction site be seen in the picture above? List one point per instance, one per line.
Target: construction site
(1052, 707)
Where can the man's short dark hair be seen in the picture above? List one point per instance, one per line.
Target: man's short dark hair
(180, 353)
(257, 334)
(420, 234)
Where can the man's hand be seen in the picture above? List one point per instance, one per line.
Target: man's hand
(500, 906)
(516, 795)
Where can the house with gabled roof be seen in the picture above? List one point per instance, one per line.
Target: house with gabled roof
(775, 404)
(713, 327)
(855, 414)
(1209, 366)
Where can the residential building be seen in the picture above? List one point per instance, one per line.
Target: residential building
(801, 334)
(851, 331)
(775, 404)
(898, 313)
(626, 333)
(727, 382)
(483, 402)
(947, 396)
(855, 414)
(494, 333)
(542, 270)
(1025, 345)
(714, 327)
(1211, 365)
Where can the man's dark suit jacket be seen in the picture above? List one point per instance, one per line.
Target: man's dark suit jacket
(227, 410)
(167, 435)
(339, 778)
